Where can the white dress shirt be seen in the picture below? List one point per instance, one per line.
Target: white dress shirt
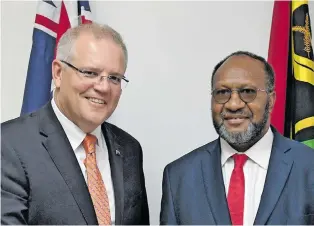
(255, 170)
(76, 137)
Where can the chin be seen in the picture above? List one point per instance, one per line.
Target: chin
(236, 130)
(95, 119)
(99, 120)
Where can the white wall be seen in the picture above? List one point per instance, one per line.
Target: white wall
(173, 47)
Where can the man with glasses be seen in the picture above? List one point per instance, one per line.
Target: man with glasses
(63, 164)
(251, 174)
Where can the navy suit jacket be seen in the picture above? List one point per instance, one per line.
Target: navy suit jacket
(193, 190)
(42, 183)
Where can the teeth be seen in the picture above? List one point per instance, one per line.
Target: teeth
(96, 100)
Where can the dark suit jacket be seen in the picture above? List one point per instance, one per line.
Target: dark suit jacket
(42, 183)
(194, 192)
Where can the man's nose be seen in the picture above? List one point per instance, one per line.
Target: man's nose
(235, 102)
(102, 84)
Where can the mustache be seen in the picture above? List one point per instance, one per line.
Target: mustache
(239, 112)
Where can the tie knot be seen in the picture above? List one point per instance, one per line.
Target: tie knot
(89, 143)
(239, 160)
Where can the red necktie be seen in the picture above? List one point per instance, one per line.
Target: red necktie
(236, 190)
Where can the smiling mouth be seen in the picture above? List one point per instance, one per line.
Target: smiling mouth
(95, 100)
(229, 118)
(235, 121)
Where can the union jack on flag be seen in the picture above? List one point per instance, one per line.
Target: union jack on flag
(52, 19)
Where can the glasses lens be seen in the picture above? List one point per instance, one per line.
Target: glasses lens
(222, 95)
(248, 94)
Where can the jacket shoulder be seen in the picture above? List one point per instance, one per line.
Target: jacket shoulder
(302, 154)
(129, 145)
(193, 157)
(120, 133)
(19, 125)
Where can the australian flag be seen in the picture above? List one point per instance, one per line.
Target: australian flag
(52, 19)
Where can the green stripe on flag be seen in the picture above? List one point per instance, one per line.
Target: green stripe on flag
(309, 143)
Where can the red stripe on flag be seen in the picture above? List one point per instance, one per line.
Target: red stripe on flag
(44, 21)
(85, 21)
(64, 23)
(278, 54)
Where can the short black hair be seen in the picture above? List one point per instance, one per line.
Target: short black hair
(270, 80)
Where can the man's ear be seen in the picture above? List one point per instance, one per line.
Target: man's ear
(56, 72)
(272, 100)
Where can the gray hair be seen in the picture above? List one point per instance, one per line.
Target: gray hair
(100, 31)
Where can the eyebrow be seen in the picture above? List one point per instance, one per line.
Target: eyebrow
(92, 68)
(224, 83)
(116, 74)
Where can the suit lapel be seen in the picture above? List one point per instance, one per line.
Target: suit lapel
(214, 185)
(115, 151)
(278, 172)
(56, 143)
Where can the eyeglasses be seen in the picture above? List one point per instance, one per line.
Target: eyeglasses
(247, 95)
(112, 79)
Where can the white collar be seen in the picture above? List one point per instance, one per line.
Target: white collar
(259, 152)
(73, 132)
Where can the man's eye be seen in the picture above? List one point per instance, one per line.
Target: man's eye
(114, 78)
(222, 91)
(248, 91)
(90, 73)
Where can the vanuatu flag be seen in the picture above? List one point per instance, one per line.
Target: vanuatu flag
(291, 55)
